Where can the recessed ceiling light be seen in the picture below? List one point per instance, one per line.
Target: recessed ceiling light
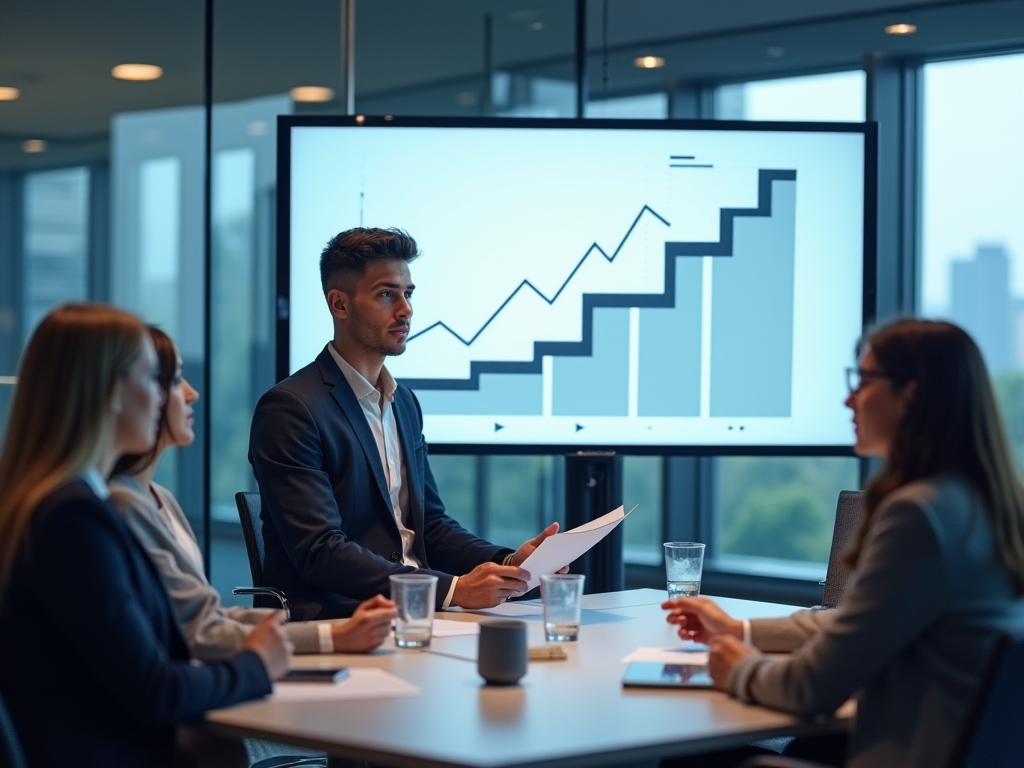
(312, 93)
(901, 29)
(33, 146)
(649, 62)
(137, 72)
(8, 94)
(360, 119)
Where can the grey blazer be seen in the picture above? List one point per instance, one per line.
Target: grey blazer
(213, 631)
(911, 638)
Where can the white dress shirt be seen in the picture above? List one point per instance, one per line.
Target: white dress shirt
(377, 406)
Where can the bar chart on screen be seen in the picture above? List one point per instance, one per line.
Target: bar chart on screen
(608, 288)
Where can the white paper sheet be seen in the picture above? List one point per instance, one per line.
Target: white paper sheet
(361, 683)
(449, 628)
(512, 610)
(698, 656)
(559, 550)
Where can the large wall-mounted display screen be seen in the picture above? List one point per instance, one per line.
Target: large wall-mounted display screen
(612, 283)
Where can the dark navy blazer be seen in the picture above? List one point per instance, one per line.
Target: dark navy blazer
(93, 665)
(329, 529)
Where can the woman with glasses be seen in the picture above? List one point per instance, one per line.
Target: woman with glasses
(93, 668)
(937, 566)
(156, 519)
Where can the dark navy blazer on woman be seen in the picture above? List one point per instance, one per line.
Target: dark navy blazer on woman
(329, 529)
(93, 665)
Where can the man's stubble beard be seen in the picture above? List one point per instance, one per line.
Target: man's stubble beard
(367, 337)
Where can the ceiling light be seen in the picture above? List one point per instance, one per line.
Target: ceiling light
(360, 119)
(312, 93)
(137, 72)
(33, 146)
(775, 51)
(649, 62)
(537, 26)
(8, 94)
(901, 29)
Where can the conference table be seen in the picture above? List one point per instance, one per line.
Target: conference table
(568, 713)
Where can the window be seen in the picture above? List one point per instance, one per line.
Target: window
(835, 97)
(972, 232)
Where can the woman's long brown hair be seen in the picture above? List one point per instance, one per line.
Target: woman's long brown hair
(61, 414)
(952, 426)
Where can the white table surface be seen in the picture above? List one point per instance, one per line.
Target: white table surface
(565, 713)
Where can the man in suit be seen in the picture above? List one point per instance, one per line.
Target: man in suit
(338, 452)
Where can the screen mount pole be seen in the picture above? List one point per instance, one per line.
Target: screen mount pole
(581, 58)
(593, 487)
(348, 56)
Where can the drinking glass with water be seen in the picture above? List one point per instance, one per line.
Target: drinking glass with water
(562, 594)
(684, 562)
(414, 594)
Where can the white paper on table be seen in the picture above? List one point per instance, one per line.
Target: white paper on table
(511, 610)
(449, 628)
(697, 656)
(361, 683)
(556, 552)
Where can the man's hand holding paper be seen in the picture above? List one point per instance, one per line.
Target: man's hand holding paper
(551, 551)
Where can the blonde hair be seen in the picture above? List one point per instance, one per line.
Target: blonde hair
(952, 426)
(60, 416)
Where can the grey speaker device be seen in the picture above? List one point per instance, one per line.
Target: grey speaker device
(502, 653)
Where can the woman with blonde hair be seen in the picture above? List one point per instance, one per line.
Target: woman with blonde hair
(94, 668)
(156, 519)
(938, 564)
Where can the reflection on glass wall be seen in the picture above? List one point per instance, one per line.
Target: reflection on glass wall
(972, 231)
(56, 240)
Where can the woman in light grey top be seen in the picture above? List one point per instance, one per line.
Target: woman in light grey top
(156, 519)
(938, 566)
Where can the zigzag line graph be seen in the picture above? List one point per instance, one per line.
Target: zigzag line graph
(722, 248)
(527, 284)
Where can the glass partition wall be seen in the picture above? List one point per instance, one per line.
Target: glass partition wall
(103, 197)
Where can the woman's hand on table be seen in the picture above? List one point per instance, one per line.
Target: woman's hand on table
(368, 627)
(268, 641)
(726, 653)
(700, 619)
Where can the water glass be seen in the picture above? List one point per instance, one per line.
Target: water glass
(414, 593)
(562, 594)
(684, 562)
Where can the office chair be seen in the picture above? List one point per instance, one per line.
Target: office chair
(11, 755)
(848, 514)
(991, 735)
(249, 506)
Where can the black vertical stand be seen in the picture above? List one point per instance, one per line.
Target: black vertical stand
(593, 487)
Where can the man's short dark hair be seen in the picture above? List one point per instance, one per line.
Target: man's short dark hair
(346, 255)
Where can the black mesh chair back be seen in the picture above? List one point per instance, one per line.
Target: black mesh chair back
(11, 755)
(848, 514)
(992, 735)
(249, 506)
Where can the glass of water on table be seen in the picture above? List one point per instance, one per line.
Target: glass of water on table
(414, 594)
(684, 561)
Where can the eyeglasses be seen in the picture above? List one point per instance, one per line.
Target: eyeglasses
(857, 378)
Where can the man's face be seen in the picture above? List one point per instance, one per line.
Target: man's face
(378, 312)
